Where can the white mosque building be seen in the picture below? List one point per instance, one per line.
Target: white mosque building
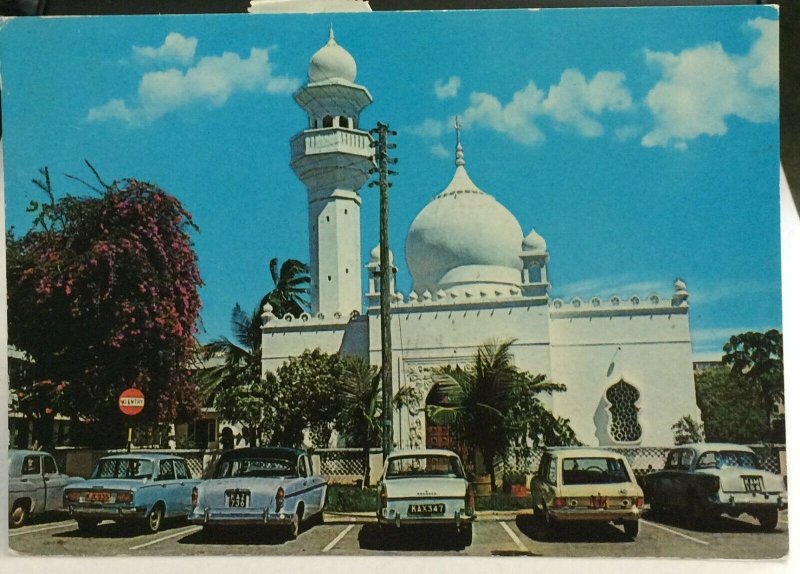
(627, 364)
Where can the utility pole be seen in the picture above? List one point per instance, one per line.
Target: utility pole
(382, 161)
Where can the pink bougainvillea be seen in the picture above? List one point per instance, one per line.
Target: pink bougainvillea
(103, 295)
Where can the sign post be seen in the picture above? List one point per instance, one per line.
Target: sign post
(131, 403)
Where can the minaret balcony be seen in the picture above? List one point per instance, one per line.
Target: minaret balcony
(331, 140)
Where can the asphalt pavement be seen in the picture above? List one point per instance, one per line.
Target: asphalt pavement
(495, 534)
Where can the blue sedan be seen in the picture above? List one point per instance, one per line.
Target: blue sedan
(268, 487)
(145, 488)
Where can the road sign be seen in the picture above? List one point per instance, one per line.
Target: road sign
(131, 401)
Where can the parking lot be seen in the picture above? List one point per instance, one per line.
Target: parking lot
(503, 535)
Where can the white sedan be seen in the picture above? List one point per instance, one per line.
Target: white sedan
(426, 487)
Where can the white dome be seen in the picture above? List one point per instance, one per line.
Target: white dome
(331, 62)
(534, 242)
(463, 237)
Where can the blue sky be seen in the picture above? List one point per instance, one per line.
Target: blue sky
(642, 144)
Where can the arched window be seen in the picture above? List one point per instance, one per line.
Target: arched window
(327, 122)
(622, 399)
(344, 122)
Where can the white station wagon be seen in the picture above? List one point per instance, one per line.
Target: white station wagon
(426, 487)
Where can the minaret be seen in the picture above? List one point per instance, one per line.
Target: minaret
(333, 158)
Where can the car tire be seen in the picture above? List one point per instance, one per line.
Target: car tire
(768, 520)
(631, 528)
(152, 522)
(18, 515)
(465, 535)
(87, 525)
(550, 525)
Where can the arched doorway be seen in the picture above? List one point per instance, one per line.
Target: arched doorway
(436, 435)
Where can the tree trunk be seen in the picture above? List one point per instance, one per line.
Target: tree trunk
(490, 465)
(43, 431)
(367, 473)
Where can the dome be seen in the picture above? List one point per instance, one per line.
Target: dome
(463, 237)
(331, 62)
(375, 255)
(534, 242)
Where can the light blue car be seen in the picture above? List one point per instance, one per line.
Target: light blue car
(260, 487)
(145, 488)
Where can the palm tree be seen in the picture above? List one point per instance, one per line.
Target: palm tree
(290, 294)
(360, 419)
(482, 401)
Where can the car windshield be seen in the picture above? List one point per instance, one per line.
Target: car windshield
(263, 467)
(424, 465)
(593, 470)
(723, 458)
(123, 468)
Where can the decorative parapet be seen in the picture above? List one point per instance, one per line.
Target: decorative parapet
(615, 305)
(305, 320)
(500, 296)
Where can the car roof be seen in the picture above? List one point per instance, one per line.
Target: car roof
(24, 452)
(146, 455)
(706, 446)
(584, 451)
(422, 452)
(248, 452)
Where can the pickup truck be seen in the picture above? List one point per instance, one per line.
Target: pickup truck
(35, 485)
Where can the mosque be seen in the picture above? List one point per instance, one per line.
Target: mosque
(626, 363)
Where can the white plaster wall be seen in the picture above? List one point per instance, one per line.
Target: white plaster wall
(279, 344)
(651, 352)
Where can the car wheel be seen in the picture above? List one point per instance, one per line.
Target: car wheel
(550, 525)
(153, 521)
(18, 515)
(631, 528)
(87, 525)
(465, 535)
(768, 520)
(294, 527)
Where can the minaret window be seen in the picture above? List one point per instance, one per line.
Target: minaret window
(625, 426)
(327, 122)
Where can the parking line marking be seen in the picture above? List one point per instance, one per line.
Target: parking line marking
(514, 537)
(173, 535)
(336, 540)
(42, 529)
(675, 532)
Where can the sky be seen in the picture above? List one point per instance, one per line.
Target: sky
(642, 143)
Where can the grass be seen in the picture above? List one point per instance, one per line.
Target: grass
(348, 498)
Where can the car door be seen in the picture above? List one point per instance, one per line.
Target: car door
(184, 486)
(54, 483)
(32, 476)
(549, 482)
(168, 488)
(315, 481)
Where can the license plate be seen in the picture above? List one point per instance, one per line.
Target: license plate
(753, 483)
(426, 508)
(238, 499)
(98, 496)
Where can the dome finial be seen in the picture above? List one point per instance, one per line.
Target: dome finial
(459, 149)
(330, 32)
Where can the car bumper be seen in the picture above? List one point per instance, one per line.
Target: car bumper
(240, 517)
(589, 514)
(748, 502)
(107, 512)
(390, 516)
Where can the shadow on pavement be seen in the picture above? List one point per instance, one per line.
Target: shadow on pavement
(119, 530)
(46, 518)
(534, 528)
(371, 537)
(723, 524)
(237, 535)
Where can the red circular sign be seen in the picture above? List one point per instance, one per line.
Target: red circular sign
(131, 402)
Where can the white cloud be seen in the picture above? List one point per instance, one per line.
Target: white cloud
(211, 80)
(574, 102)
(626, 133)
(176, 48)
(715, 293)
(428, 128)
(621, 286)
(448, 89)
(702, 87)
(440, 151)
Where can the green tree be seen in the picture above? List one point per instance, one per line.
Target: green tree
(486, 405)
(250, 402)
(758, 357)
(103, 295)
(290, 294)
(726, 400)
(359, 418)
(687, 430)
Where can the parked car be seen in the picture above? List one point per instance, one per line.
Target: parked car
(34, 485)
(145, 488)
(271, 487)
(426, 487)
(586, 484)
(702, 481)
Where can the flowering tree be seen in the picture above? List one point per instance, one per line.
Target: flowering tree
(102, 295)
